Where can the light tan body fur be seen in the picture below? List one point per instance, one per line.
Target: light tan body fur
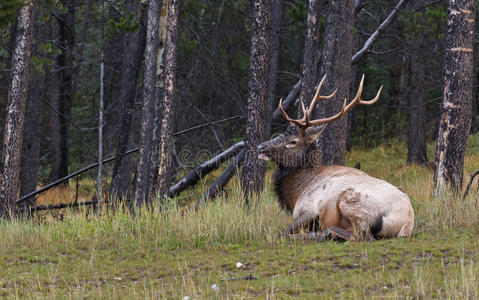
(348, 203)
(347, 198)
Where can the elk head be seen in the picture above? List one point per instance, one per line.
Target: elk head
(292, 148)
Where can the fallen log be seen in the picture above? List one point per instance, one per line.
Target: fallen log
(224, 178)
(204, 168)
(61, 180)
(63, 205)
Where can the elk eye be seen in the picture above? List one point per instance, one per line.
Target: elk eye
(291, 143)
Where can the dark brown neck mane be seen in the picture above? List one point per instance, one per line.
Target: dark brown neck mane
(290, 181)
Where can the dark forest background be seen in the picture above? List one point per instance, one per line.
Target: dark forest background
(212, 77)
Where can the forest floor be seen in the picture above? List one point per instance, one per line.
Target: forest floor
(178, 252)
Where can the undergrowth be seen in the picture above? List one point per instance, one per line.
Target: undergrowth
(176, 251)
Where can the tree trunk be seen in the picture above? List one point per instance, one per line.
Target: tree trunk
(168, 104)
(31, 147)
(160, 90)
(274, 55)
(253, 169)
(112, 84)
(17, 98)
(416, 146)
(456, 108)
(310, 54)
(336, 64)
(39, 80)
(133, 47)
(65, 71)
(149, 99)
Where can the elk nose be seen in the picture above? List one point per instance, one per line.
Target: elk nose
(261, 148)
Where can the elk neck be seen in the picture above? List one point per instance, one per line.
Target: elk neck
(291, 181)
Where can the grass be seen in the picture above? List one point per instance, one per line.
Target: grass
(178, 252)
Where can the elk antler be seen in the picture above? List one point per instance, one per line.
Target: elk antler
(305, 121)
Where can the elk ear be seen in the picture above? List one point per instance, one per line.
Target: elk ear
(312, 133)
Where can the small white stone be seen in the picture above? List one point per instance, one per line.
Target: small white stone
(215, 287)
(186, 298)
(239, 265)
(118, 278)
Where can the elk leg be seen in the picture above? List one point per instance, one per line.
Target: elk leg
(335, 233)
(300, 222)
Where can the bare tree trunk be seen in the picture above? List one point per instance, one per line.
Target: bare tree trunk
(149, 99)
(274, 55)
(33, 115)
(310, 54)
(101, 108)
(31, 140)
(336, 64)
(17, 98)
(160, 89)
(253, 169)
(168, 104)
(134, 44)
(112, 83)
(416, 146)
(65, 71)
(456, 109)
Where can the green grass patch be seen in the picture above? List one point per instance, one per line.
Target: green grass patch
(177, 251)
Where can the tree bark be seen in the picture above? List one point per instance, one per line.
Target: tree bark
(253, 169)
(65, 70)
(17, 98)
(336, 64)
(112, 84)
(457, 92)
(160, 91)
(31, 139)
(275, 35)
(416, 146)
(39, 81)
(310, 54)
(168, 104)
(149, 98)
(133, 47)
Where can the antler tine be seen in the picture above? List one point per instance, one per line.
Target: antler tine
(356, 100)
(318, 96)
(330, 119)
(301, 122)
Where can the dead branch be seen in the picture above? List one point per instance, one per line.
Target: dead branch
(223, 180)
(207, 124)
(470, 183)
(61, 180)
(369, 42)
(55, 183)
(63, 205)
(192, 178)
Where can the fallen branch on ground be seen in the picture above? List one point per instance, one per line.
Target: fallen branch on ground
(470, 183)
(62, 205)
(224, 178)
(61, 180)
(204, 168)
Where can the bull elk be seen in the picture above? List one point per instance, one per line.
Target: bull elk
(346, 203)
